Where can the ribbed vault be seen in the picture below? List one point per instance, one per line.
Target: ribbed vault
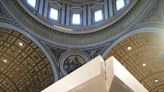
(23, 66)
(143, 55)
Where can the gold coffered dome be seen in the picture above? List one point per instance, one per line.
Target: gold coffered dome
(23, 65)
(143, 55)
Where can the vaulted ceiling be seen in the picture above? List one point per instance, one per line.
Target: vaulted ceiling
(23, 65)
(143, 55)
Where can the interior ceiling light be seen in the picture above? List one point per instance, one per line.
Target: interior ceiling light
(5, 60)
(20, 44)
(129, 48)
(144, 64)
(156, 80)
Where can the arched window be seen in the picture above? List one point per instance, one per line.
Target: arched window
(76, 19)
(98, 15)
(32, 3)
(53, 14)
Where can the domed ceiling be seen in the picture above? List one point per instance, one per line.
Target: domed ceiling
(113, 22)
(143, 55)
(23, 65)
(76, 15)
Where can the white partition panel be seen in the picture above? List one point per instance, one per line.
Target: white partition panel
(88, 78)
(121, 77)
(98, 76)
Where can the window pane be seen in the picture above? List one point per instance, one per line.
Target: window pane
(76, 19)
(120, 4)
(32, 3)
(53, 14)
(98, 15)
